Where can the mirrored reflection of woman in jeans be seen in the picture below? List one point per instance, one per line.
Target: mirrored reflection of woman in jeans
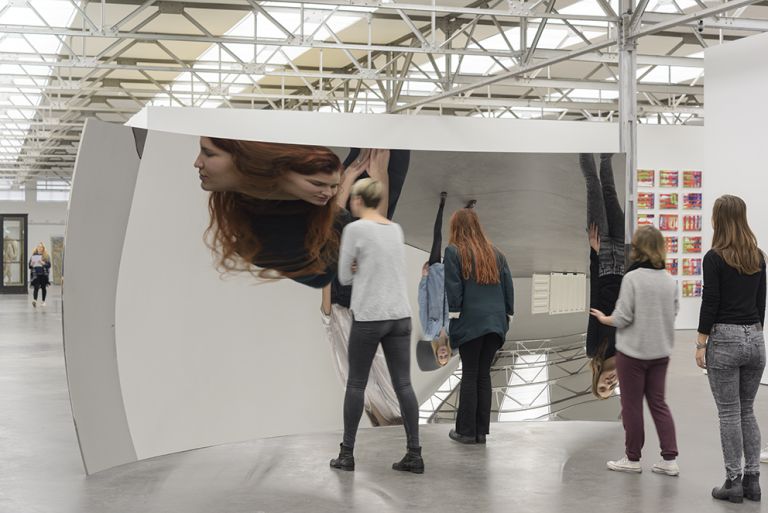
(605, 219)
(730, 342)
(478, 284)
(644, 318)
(372, 259)
(433, 304)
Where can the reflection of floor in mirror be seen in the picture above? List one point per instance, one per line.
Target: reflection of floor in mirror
(544, 466)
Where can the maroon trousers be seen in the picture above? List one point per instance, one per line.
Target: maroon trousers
(638, 379)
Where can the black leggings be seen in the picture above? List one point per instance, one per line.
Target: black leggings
(437, 235)
(474, 414)
(37, 286)
(395, 338)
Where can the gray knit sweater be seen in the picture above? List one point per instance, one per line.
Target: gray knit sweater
(379, 288)
(645, 314)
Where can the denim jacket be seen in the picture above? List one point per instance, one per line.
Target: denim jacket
(433, 313)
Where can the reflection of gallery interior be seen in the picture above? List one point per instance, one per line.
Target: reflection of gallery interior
(238, 291)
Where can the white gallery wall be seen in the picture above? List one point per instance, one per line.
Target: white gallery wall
(737, 79)
(735, 109)
(680, 148)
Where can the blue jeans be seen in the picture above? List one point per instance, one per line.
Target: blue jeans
(735, 361)
(604, 210)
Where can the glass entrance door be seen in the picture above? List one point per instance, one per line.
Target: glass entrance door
(14, 253)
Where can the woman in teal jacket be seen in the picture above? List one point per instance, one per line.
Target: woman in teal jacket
(478, 284)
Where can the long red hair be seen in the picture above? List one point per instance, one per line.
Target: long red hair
(261, 166)
(476, 253)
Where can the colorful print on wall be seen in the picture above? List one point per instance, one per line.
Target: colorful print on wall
(668, 178)
(645, 177)
(692, 201)
(645, 200)
(672, 266)
(691, 266)
(692, 288)
(692, 244)
(645, 219)
(668, 222)
(671, 244)
(692, 179)
(668, 201)
(692, 223)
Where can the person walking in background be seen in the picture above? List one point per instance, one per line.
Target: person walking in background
(478, 284)
(730, 342)
(644, 318)
(39, 266)
(372, 260)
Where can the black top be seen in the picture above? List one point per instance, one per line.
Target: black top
(399, 160)
(603, 293)
(281, 227)
(730, 297)
(484, 308)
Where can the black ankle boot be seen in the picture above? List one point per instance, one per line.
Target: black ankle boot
(345, 461)
(411, 462)
(751, 486)
(730, 491)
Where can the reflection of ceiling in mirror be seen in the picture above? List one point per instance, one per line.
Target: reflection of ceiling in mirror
(532, 205)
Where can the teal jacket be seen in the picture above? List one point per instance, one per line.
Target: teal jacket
(483, 309)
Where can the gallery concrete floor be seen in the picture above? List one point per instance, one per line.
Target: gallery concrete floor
(548, 467)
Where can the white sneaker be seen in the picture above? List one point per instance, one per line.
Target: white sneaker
(624, 465)
(42, 304)
(764, 455)
(34, 302)
(668, 467)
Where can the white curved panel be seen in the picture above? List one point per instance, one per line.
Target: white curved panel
(102, 188)
(203, 360)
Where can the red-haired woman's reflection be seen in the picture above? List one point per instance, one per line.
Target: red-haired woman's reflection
(271, 207)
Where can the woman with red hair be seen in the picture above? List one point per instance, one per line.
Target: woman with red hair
(271, 204)
(478, 284)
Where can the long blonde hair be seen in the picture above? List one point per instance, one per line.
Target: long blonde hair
(733, 240)
(45, 255)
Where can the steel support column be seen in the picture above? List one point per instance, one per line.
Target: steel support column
(628, 109)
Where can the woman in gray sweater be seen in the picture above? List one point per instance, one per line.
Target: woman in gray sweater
(372, 259)
(645, 331)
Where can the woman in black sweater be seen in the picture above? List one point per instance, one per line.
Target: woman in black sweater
(478, 284)
(730, 342)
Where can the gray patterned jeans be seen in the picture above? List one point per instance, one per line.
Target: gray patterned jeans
(735, 362)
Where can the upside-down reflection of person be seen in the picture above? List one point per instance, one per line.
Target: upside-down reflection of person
(605, 219)
(433, 302)
(271, 207)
